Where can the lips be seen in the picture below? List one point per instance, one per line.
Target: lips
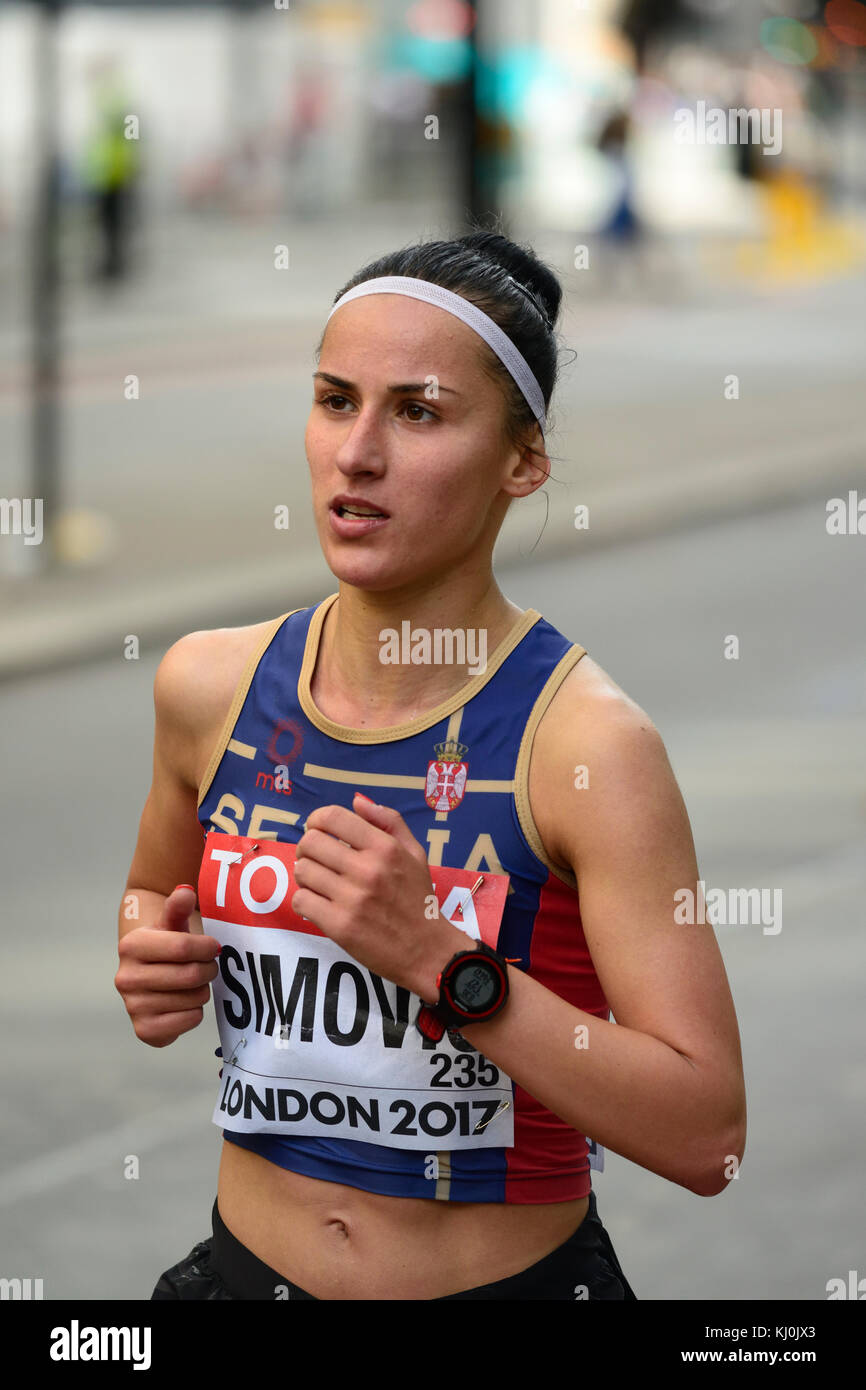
(349, 505)
(350, 525)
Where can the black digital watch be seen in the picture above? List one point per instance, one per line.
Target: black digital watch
(473, 987)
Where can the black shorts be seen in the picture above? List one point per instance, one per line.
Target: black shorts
(584, 1267)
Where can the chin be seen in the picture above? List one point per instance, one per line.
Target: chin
(374, 580)
(376, 568)
(371, 572)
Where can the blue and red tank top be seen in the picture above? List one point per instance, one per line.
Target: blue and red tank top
(324, 1071)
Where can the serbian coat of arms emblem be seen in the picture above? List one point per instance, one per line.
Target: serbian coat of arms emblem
(446, 776)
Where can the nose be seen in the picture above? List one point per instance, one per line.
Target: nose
(361, 449)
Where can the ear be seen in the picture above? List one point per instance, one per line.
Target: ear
(531, 467)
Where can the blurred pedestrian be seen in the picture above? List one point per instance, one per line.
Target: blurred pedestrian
(111, 169)
(623, 232)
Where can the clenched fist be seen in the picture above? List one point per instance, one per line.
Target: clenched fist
(165, 972)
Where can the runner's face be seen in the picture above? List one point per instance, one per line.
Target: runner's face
(438, 465)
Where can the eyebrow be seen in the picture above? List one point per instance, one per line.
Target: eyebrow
(398, 390)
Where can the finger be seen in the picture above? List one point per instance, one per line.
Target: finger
(151, 944)
(182, 1023)
(318, 878)
(318, 847)
(322, 912)
(343, 824)
(138, 977)
(389, 820)
(172, 1001)
(164, 1028)
(176, 909)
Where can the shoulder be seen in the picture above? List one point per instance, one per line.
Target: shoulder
(596, 757)
(193, 689)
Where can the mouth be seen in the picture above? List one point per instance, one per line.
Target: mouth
(343, 509)
(354, 519)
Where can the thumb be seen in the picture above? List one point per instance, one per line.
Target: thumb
(177, 908)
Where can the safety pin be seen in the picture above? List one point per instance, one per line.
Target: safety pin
(482, 1124)
(234, 1056)
(476, 884)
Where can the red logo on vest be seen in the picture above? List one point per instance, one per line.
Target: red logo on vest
(446, 776)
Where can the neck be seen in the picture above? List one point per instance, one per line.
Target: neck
(349, 668)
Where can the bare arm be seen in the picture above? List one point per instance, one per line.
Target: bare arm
(166, 962)
(663, 1086)
(170, 839)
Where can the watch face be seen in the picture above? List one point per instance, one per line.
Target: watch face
(474, 986)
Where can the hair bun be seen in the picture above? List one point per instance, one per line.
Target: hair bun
(523, 267)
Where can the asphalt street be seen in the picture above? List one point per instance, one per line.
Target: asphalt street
(770, 752)
(681, 403)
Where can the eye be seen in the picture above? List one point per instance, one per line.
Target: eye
(326, 401)
(416, 405)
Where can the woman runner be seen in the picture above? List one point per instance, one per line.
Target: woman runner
(372, 1149)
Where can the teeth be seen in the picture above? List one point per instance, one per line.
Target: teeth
(358, 511)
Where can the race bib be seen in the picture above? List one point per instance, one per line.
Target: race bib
(313, 1042)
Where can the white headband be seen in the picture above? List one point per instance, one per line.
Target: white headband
(455, 304)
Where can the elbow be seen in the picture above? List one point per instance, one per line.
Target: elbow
(719, 1163)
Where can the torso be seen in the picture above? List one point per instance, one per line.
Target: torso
(341, 1242)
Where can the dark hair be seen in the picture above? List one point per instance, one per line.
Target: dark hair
(508, 283)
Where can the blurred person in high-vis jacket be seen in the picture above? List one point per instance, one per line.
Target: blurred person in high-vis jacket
(111, 167)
